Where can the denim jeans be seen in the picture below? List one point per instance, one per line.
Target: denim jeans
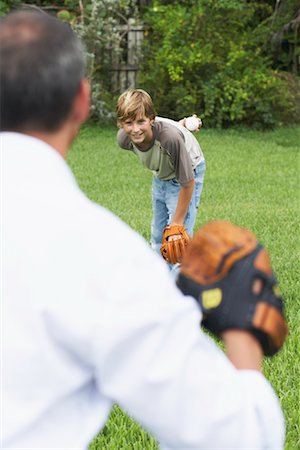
(164, 202)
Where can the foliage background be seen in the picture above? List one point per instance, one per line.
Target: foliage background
(233, 62)
(217, 60)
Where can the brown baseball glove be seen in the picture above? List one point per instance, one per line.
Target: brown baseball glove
(172, 250)
(229, 274)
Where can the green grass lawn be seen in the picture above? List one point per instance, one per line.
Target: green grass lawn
(252, 179)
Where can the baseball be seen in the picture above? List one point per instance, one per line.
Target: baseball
(192, 123)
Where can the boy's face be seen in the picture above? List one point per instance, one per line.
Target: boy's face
(139, 130)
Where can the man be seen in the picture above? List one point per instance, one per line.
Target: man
(174, 156)
(83, 329)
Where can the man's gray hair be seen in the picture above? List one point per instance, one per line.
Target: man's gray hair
(42, 64)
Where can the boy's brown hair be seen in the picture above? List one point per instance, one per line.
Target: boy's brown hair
(133, 103)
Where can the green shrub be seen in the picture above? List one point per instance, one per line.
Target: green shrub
(287, 101)
(210, 62)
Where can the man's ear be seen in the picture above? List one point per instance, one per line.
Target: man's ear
(82, 102)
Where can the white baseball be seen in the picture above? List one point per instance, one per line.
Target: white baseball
(192, 123)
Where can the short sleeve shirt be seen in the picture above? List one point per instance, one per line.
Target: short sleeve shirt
(174, 152)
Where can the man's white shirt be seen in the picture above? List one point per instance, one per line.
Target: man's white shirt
(91, 317)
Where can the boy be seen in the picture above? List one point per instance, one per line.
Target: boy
(174, 156)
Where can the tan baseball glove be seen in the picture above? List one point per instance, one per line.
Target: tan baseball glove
(173, 249)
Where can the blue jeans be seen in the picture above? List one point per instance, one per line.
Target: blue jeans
(164, 202)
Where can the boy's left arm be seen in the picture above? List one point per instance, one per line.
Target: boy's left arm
(184, 172)
(184, 198)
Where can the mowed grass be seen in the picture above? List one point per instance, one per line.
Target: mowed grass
(253, 180)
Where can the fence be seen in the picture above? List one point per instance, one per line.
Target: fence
(125, 66)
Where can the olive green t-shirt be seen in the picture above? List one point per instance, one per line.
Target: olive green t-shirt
(174, 152)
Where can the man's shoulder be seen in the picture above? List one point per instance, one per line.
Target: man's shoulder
(123, 140)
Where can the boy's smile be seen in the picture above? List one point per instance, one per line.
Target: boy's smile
(139, 131)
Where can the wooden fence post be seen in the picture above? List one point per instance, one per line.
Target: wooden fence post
(125, 66)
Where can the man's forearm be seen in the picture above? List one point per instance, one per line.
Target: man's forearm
(243, 350)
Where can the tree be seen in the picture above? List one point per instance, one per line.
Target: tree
(284, 36)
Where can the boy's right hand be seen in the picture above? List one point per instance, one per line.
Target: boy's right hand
(182, 122)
